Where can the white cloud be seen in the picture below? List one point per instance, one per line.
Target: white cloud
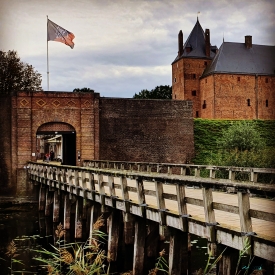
(124, 46)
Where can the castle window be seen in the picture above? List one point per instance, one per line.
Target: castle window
(194, 76)
(194, 93)
(239, 79)
(205, 63)
(248, 102)
(175, 79)
(204, 104)
(266, 103)
(197, 113)
(206, 80)
(266, 80)
(175, 96)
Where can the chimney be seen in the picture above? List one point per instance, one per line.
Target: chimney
(180, 43)
(248, 41)
(207, 42)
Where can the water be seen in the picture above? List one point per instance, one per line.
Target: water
(19, 223)
(30, 230)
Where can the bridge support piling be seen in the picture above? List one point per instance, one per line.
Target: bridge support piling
(140, 235)
(78, 218)
(49, 203)
(152, 239)
(42, 198)
(56, 206)
(67, 212)
(95, 213)
(129, 228)
(178, 252)
(114, 235)
(228, 262)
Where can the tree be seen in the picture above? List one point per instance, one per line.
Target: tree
(160, 92)
(83, 90)
(241, 136)
(241, 145)
(16, 75)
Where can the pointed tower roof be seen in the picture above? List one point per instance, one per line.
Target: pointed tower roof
(194, 46)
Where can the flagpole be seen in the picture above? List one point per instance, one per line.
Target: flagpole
(48, 81)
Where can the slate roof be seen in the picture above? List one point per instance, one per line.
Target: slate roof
(236, 58)
(196, 40)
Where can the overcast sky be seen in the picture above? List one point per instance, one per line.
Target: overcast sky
(123, 46)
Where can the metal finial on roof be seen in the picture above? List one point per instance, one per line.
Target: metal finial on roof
(223, 37)
(198, 15)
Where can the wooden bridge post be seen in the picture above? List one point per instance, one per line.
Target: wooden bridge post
(56, 206)
(102, 193)
(78, 218)
(140, 235)
(182, 208)
(91, 184)
(245, 219)
(141, 196)
(42, 198)
(210, 220)
(160, 203)
(112, 190)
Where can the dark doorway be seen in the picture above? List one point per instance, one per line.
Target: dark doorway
(69, 149)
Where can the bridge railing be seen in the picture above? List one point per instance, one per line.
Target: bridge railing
(231, 173)
(162, 197)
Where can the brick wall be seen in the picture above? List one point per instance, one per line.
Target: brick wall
(115, 129)
(146, 130)
(232, 96)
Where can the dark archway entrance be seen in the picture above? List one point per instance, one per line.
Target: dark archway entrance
(69, 149)
(52, 131)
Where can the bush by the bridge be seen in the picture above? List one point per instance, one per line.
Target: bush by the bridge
(208, 133)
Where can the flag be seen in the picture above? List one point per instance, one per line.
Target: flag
(57, 33)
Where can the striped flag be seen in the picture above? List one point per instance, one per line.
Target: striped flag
(57, 33)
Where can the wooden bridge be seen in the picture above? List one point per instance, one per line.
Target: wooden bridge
(230, 206)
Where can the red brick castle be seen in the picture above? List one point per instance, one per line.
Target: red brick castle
(236, 81)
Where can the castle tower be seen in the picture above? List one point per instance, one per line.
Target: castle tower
(192, 59)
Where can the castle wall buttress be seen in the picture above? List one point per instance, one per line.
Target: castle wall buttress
(207, 99)
(266, 95)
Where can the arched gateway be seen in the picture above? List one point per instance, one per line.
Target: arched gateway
(26, 114)
(58, 138)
